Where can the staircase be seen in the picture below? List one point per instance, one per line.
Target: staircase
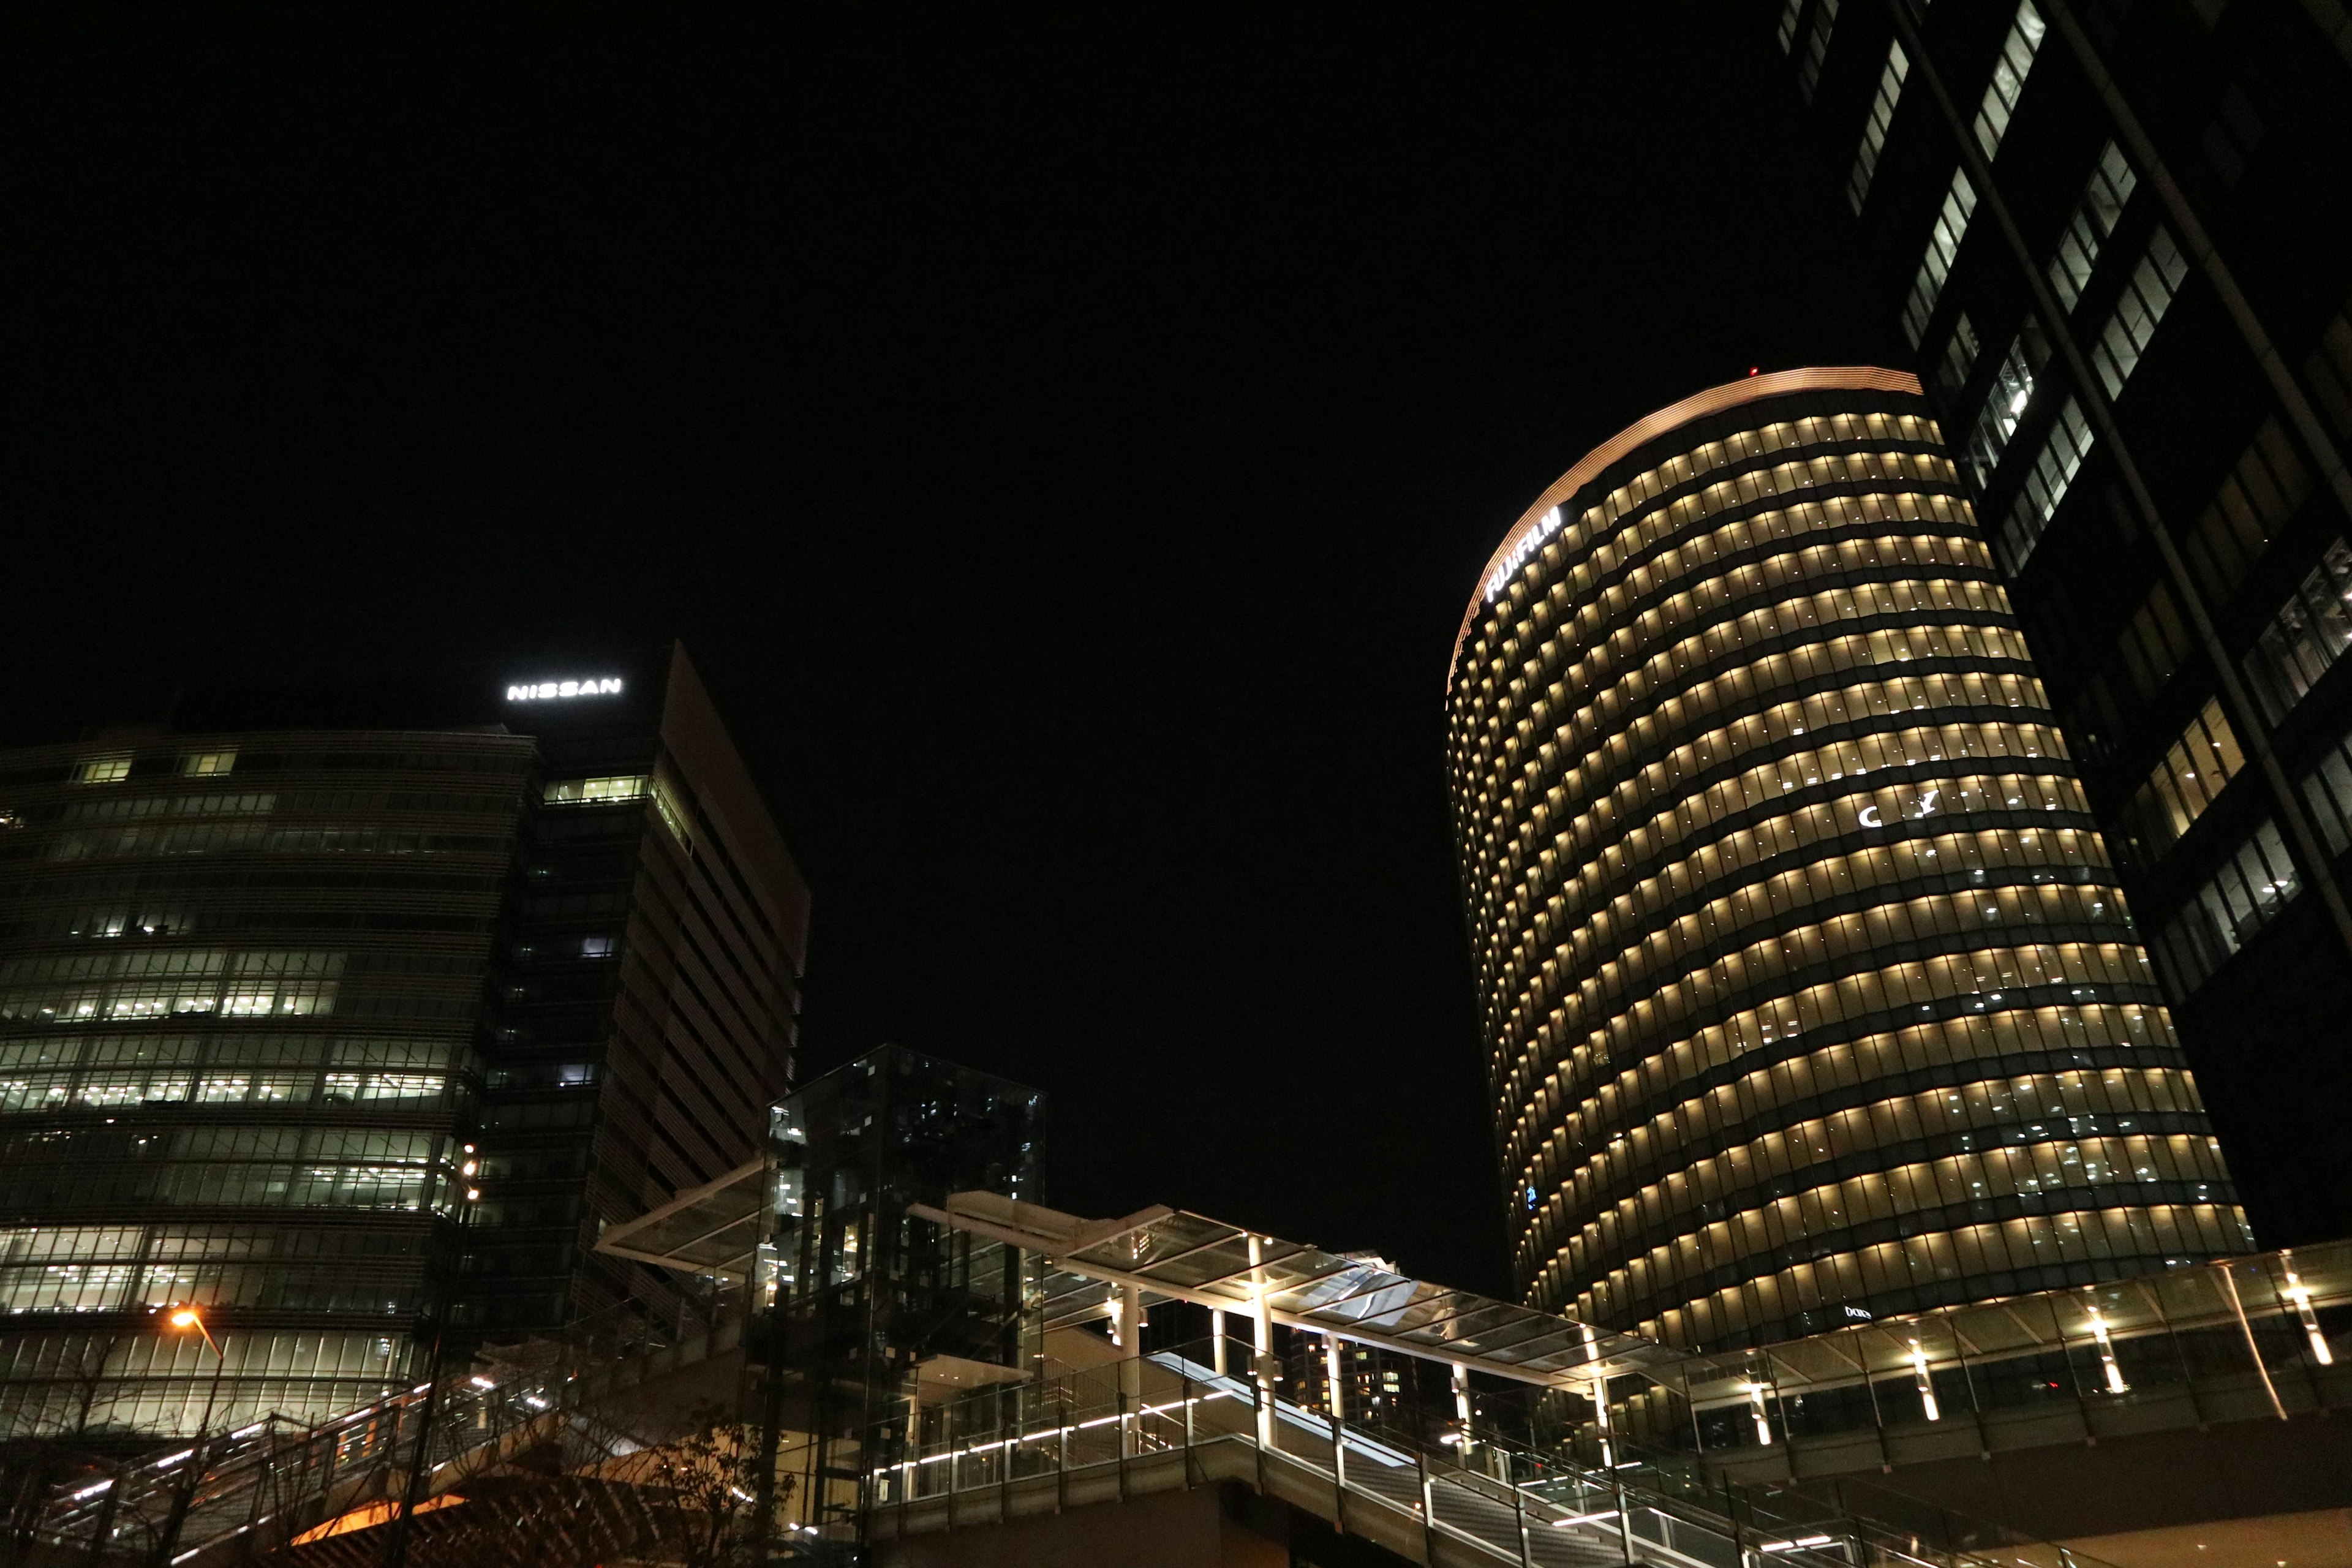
(247, 1492)
(1106, 1434)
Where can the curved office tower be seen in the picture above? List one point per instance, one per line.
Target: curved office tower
(1807, 991)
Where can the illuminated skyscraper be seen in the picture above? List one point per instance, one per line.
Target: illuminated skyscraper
(340, 1012)
(1806, 988)
(2118, 239)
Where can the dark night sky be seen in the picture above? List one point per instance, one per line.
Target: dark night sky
(1066, 442)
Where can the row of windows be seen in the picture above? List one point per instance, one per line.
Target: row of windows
(1871, 998)
(2112, 179)
(273, 1287)
(113, 767)
(1584, 1159)
(1764, 623)
(352, 1052)
(134, 1243)
(1852, 877)
(1601, 606)
(2306, 637)
(1821, 667)
(1835, 526)
(2005, 402)
(1858, 703)
(1662, 1266)
(245, 838)
(1643, 841)
(342, 802)
(41, 1091)
(1982, 860)
(1615, 705)
(33, 1357)
(1660, 1155)
(1951, 226)
(377, 1145)
(1558, 553)
(2139, 309)
(2154, 642)
(2055, 467)
(1947, 853)
(2010, 69)
(2130, 1235)
(149, 983)
(1582, 539)
(1874, 126)
(1794, 950)
(2251, 889)
(249, 1185)
(1802, 664)
(2186, 780)
(1694, 1088)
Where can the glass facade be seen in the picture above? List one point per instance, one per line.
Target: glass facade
(240, 987)
(2163, 195)
(1807, 986)
(337, 1033)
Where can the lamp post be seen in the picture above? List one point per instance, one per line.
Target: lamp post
(185, 1318)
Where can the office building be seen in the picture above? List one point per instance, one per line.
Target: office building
(352, 1015)
(1807, 992)
(2117, 238)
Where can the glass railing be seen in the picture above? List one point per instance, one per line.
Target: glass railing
(1098, 1433)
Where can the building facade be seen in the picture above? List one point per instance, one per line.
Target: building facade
(1807, 991)
(2118, 239)
(349, 1017)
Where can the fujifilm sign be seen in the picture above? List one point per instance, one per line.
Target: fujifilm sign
(539, 691)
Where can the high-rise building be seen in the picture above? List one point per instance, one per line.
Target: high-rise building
(2118, 237)
(340, 1013)
(1807, 992)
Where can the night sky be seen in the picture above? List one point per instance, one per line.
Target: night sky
(1066, 437)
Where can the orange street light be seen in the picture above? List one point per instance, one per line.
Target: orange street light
(186, 1317)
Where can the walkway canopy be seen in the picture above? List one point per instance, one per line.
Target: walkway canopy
(1170, 1255)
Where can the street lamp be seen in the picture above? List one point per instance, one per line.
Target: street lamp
(183, 1318)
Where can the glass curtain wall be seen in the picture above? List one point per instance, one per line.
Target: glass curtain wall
(241, 979)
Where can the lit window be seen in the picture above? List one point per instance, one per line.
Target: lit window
(2137, 310)
(1874, 131)
(2005, 402)
(205, 764)
(2009, 73)
(595, 947)
(1943, 245)
(2095, 217)
(1817, 46)
(597, 791)
(2306, 637)
(2186, 781)
(103, 770)
(1959, 358)
(2062, 455)
(2245, 895)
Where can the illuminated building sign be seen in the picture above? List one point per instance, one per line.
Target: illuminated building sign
(1546, 526)
(539, 690)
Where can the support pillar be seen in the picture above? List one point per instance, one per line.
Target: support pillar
(1131, 1370)
(1262, 1342)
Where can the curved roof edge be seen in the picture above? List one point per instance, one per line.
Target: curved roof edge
(1730, 395)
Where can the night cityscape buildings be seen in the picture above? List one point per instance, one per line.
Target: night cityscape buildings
(2118, 239)
(292, 986)
(1807, 992)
